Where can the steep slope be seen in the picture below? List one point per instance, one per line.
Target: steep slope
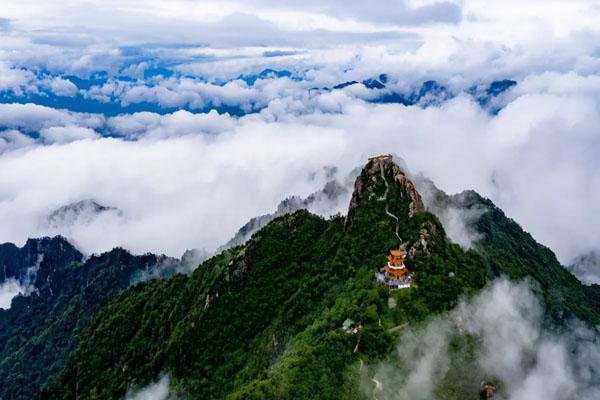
(26, 359)
(62, 292)
(509, 250)
(41, 256)
(263, 320)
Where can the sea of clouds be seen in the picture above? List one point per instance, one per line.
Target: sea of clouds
(159, 112)
(111, 101)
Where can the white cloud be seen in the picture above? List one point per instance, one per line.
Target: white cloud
(198, 189)
(16, 80)
(536, 159)
(396, 36)
(33, 118)
(459, 223)
(513, 348)
(394, 12)
(195, 94)
(63, 87)
(12, 139)
(180, 123)
(586, 267)
(67, 134)
(154, 391)
(9, 289)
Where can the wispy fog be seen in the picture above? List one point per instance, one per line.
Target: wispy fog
(155, 391)
(9, 289)
(498, 337)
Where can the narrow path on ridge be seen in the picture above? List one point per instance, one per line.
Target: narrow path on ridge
(384, 198)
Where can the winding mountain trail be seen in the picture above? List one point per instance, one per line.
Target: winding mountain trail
(384, 198)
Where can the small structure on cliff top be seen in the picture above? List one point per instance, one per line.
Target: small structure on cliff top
(394, 273)
(381, 157)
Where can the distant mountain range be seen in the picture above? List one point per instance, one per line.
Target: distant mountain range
(429, 93)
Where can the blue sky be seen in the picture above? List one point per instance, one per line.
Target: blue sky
(191, 117)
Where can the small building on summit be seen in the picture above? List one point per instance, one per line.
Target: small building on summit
(395, 274)
(381, 157)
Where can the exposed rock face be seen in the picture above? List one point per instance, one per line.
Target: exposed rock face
(364, 186)
(426, 235)
(238, 266)
(487, 390)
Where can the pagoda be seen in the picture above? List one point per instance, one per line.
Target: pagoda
(395, 274)
(395, 268)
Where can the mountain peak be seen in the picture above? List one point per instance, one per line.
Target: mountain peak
(377, 177)
(83, 212)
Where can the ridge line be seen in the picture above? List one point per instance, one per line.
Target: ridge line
(384, 198)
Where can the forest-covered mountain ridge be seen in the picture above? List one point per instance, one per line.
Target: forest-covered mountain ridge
(265, 319)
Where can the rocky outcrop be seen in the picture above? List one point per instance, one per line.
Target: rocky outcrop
(416, 203)
(426, 239)
(365, 185)
(487, 390)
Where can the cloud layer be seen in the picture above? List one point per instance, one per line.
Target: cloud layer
(126, 116)
(512, 348)
(203, 175)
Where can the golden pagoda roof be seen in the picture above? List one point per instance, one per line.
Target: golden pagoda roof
(396, 252)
